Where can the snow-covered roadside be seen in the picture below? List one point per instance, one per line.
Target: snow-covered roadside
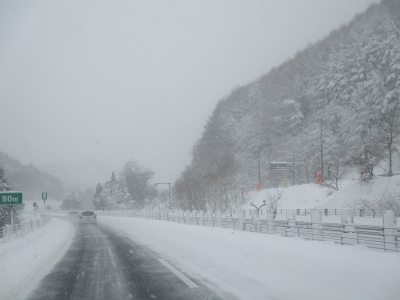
(24, 261)
(314, 196)
(260, 266)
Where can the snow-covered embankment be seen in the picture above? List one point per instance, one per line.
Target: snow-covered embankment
(25, 260)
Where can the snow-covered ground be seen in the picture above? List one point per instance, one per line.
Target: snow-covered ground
(246, 265)
(354, 191)
(25, 260)
(315, 196)
(260, 266)
(309, 196)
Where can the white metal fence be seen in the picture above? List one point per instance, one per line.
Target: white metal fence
(364, 213)
(386, 238)
(20, 229)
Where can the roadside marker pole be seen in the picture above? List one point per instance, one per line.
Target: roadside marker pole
(12, 219)
(44, 197)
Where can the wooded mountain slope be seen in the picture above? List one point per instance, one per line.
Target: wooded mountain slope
(346, 85)
(30, 180)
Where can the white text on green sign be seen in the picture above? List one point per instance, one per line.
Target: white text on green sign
(10, 198)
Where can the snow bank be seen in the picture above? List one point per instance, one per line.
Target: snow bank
(355, 191)
(314, 196)
(297, 196)
(260, 266)
(24, 261)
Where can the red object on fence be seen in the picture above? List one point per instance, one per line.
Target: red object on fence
(319, 178)
(258, 186)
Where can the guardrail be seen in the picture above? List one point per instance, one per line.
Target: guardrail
(386, 238)
(20, 229)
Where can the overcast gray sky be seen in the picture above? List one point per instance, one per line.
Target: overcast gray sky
(119, 80)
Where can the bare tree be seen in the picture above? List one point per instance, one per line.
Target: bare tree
(336, 171)
(365, 162)
(136, 180)
(387, 201)
(273, 200)
(389, 132)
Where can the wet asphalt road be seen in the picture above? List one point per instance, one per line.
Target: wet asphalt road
(104, 264)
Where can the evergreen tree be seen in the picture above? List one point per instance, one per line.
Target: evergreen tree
(99, 201)
(350, 81)
(4, 186)
(114, 195)
(5, 210)
(29, 179)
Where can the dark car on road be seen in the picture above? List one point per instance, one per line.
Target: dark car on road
(73, 213)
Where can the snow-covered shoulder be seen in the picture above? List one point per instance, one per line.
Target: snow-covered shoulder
(251, 265)
(25, 260)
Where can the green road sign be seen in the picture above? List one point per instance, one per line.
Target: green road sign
(10, 198)
(44, 196)
(20, 206)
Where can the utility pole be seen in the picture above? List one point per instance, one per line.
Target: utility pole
(259, 167)
(329, 171)
(293, 171)
(322, 156)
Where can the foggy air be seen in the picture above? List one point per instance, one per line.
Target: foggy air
(210, 149)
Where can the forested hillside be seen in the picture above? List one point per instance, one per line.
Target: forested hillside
(30, 180)
(344, 88)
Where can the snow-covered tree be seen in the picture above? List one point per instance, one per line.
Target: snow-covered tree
(350, 81)
(363, 88)
(71, 203)
(136, 180)
(113, 195)
(4, 185)
(99, 201)
(5, 209)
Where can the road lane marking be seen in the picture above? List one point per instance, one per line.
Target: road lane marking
(87, 236)
(186, 280)
(119, 234)
(105, 235)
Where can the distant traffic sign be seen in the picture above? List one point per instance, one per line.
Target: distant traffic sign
(281, 166)
(10, 198)
(20, 206)
(44, 196)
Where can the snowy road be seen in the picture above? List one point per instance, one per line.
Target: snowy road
(106, 264)
(249, 265)
(126, 258)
